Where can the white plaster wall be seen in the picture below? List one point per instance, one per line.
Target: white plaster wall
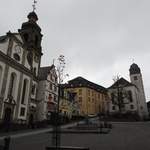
(41, 90)
(2, 66)
(36, 65)
(4, 46)
(42, 111)
(127, 106)
(13, 51)
(141, 94)
(25, 105)
(134, 98)
(41, 97)
(34, 95)
(12, 70)
(18, 37)
(26, 62)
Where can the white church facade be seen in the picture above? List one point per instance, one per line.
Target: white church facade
(20, 57)
(129, 97)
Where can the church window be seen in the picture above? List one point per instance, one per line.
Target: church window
(113, 108)
(80, 91)
(135, 78)
(55, 79)
(55, 88)
(34, 71)
(22, 111)
(98, 95)
(33, 89)
(0, 75)
(80, 99)
(88, 92)
(132, 106)
(51, 77)
(55, 99)
(24, 91)
(130, 96)
(50, 86)
(112, 98)
(12, 84)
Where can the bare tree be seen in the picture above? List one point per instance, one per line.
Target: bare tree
(119, 96)
(60, 75)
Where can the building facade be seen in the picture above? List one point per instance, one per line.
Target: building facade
(20, 57)
(91, 98)
(129, 97)
(68, 106)
(47, 92)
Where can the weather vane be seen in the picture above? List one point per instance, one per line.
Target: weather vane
(132, 60)
(34, 5)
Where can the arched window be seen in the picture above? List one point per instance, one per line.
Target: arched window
(130, 96)
(24, 90)
(112, 98)
(0, 74)
(12, 86)
(34, 71)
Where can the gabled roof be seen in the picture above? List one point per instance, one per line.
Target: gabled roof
(44, 71)
(11, 35)
(82, 82)
(3, 38)
(121, 82)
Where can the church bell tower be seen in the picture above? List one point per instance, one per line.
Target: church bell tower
(31, 33)
(136, 79)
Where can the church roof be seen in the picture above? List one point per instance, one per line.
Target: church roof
(44, 71)
(82, 82)
(3, 38)
(121, 82)
(134, 69)
(32, 15)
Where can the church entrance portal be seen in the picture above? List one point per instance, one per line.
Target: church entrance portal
(7, 118)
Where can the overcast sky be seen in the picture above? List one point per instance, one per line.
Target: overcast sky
(99, 38)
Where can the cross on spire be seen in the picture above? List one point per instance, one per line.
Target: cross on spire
(34, 5)
(132, 60)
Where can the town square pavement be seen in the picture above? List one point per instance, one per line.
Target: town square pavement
(123, 136)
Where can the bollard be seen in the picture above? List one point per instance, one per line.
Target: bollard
(6, 143)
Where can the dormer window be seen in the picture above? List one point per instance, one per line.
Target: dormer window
(34, 71)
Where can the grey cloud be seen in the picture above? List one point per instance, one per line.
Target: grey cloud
(98, 37)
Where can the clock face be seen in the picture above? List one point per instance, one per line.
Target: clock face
(17, 49)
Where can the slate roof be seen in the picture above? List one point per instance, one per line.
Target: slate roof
(123, 82)
(3, 38)
(134, 69)
(44, 71)
(82, 82)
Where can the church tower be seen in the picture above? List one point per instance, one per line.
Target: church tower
(31, 34)
(136, 79)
